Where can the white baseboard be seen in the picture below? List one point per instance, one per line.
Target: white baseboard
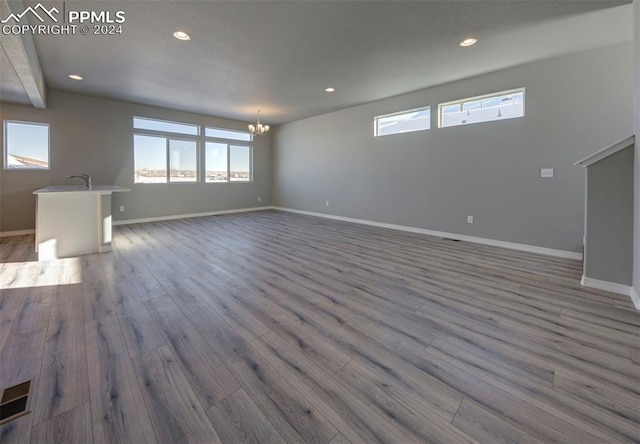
(17, 232)
(461, 237)
(607, 286)
(635, 298)
(187, 216)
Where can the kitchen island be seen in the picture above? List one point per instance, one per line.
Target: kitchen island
(73, 220)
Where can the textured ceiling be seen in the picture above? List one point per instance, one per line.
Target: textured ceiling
(280, 55)
(11, 89)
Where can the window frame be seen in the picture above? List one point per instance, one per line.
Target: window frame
(250, 162)
(201, 158)
(397, 113)
(195, 125)
(168, 137)
(229, 130)
(480, 98)
(5, 141)
(229, 143)
(168, 151)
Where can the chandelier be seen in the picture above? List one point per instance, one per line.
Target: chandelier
(259, 129)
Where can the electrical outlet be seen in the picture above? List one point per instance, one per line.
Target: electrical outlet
(327, 203)
(546, 172)
(259, 198)
(469, 219)
(121, 208)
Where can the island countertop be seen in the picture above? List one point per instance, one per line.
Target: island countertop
(73, 220)
(100, 189)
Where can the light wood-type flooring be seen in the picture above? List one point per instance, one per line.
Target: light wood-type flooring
(271, 327)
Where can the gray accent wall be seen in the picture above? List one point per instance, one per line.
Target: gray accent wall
(94, 135)
(575, 105)
(609, 224)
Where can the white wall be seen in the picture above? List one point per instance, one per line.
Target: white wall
(575, 105)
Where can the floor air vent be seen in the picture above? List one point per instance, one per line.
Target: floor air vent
(15, 402)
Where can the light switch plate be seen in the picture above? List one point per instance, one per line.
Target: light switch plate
(546, 172)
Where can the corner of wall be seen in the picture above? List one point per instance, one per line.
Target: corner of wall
(636, 120)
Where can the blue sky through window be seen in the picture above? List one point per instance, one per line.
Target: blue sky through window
(27, 140)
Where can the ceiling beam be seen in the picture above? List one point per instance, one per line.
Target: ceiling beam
(21, 51)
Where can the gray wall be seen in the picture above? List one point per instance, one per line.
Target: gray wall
(610, 218)
(636, 122)
(95, 136)
(575, 105)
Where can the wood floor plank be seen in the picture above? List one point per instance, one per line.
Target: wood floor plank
(96, 292)
(484, 426)
(239, 420)
(21, 357)
(295, 418)
(63, 382)
(118, 410)
(221, 337)
(340, 439)
(176, 414)
(400, 408)
(72, 426)
(349, 414)
(599, 393)
(205, 371)
(559, 409)
(10, 302)
(18, 431)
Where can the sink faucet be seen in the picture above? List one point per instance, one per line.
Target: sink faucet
(85, 177)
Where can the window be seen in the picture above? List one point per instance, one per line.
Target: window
(497, 106)
(227, 155)
(183, 161)
(165, 126)
(239, 163)
(227, 162)
(403, 122)
(26, 145)
(150, 159)
(220, 133)
(216, 162)
(171, 152)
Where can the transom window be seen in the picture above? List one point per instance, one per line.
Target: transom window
(26, 145)
(173, 152)
(165, 126)
(497, 106)
(403, 122)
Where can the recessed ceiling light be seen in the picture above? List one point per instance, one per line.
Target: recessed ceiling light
(468, 42)
(181, 35)
(75, 77)
(330, 89)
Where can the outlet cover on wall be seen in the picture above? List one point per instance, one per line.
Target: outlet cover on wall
(121, 208)
(327, 203)
(546, 172)
(469, 219)
(259, 198)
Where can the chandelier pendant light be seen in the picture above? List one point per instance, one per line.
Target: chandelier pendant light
(258, 129)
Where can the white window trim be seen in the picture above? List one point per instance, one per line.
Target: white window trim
(197, 126)
(5, 165)
(473, 99)
(228, 143)
(231, 130)
(201, 141)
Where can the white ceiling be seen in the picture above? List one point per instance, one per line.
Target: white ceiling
(280, 55)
